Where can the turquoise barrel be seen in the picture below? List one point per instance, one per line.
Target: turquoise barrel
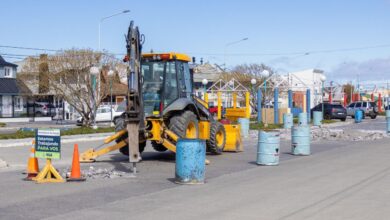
(317, 118)
(300, 140)
(268, 148)
(244, 124)
(358, 116)
(287, 120)
(302, 119)
(190, 161)
(388, 120)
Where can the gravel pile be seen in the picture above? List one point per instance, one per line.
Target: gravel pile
(3, 164)
(333, 134)
(349, 135)
(100, 173)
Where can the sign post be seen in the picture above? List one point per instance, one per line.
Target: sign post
(48, 146)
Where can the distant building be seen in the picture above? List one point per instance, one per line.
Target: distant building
(206, 71)
(300, 81)
(12, 91)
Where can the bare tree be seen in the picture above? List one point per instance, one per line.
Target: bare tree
(244, 74)
(67, 75)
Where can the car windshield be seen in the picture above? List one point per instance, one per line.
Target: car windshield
(338, 106)
(351, 105)
(373, 104)
(364, 104)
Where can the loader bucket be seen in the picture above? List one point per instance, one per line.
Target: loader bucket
(233, 138)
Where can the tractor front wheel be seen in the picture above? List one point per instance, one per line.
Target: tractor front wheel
(185, 125)
(217, 141)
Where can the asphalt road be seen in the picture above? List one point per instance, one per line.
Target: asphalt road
(340, 180)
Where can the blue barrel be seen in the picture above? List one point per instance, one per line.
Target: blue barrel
(244, 124)
(268, 148)
(388, 120)
(190, 161)
(388, 124)
(300, 140)
(287, 120)
(302, 119)
(358, 115)
(317, 118)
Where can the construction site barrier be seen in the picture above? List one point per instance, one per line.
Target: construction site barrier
(268, 148)
(300, 140)
(317, 118)
(190, 161)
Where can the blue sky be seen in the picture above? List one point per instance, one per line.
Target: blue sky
(203, 28)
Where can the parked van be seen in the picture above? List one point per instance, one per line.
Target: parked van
(369, 108)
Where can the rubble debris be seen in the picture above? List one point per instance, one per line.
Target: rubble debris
(334, 134)
(3, 164)
(101, 173)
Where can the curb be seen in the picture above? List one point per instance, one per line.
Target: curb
(64, 140)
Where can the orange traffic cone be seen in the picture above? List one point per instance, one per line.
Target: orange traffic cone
(75, 174)
(32, 164)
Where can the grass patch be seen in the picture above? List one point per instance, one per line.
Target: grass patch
(2, 125)
(257, 126)
(73, 131)
(327, 121)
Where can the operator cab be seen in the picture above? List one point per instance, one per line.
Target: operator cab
(166, 77)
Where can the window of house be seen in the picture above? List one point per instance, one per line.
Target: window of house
(7, 72)
(18, 103)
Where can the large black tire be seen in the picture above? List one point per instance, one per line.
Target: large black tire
(120, 124)
(343, 119)
(158, 147)
(178, 124)
(215, 144)
(373, 116)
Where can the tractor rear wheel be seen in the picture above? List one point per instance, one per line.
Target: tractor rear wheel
(185, 125)
(158, 147)
(120, 124)
(217, 141)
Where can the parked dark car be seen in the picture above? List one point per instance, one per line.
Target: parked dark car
(331, 111)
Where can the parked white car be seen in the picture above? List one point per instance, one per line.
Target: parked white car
(103, 114)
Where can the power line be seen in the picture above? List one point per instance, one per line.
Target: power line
(29, 48)
(300, 53)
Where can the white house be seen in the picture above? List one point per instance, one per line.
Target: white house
(11, 101)
(307, 79)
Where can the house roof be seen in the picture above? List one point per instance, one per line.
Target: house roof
(5, 63)
(8, 86)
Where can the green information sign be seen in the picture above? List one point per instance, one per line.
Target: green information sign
(48, 143)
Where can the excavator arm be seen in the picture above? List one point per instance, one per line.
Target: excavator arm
(134, 113)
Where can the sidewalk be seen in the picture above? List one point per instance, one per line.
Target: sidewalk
(64, 139)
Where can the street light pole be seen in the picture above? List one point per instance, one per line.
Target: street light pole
(102, 19)
(322, 78)
(110, 74)
(94, 71)
(265, 73)
(228, 44)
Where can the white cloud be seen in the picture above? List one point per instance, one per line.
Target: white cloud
(370, 70)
